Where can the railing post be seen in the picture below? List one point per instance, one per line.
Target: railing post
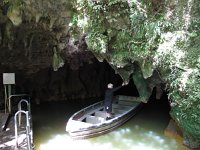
(6, 97)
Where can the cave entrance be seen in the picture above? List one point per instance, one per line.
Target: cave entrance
(57, 95)
(50, 117)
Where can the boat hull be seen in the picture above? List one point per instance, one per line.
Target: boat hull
(80, 126)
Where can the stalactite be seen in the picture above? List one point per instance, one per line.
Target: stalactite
(57, 60)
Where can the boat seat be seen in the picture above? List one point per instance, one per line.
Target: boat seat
(118, 111)
(100, 114)
(121, 106)
(94, 120)
(127, 103)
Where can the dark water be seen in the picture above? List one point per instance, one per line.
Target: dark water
(145, 131)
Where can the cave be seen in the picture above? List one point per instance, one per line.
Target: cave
(55, 95)
(79, 82)
(64, 53)
(50, 116)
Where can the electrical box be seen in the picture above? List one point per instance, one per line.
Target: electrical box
(8, 78)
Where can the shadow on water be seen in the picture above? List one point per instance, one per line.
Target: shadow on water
(145, 131)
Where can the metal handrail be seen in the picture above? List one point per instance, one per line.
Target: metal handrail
(28, 130)
(20, 108)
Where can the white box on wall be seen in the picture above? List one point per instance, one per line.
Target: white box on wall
(8, 78)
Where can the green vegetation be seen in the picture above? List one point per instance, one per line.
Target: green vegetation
(158, 35)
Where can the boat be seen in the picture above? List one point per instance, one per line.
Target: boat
(91, 121)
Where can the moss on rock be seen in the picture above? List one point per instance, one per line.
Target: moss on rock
(157, 35)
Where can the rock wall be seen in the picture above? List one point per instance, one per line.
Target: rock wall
(89, 81)
(49, 64)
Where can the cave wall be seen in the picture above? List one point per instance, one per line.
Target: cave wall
(87, 82)
(49, 64)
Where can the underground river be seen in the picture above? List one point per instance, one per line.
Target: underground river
(145, 131)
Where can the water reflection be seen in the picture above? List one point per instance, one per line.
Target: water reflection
(124, 138)
(145, 131)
